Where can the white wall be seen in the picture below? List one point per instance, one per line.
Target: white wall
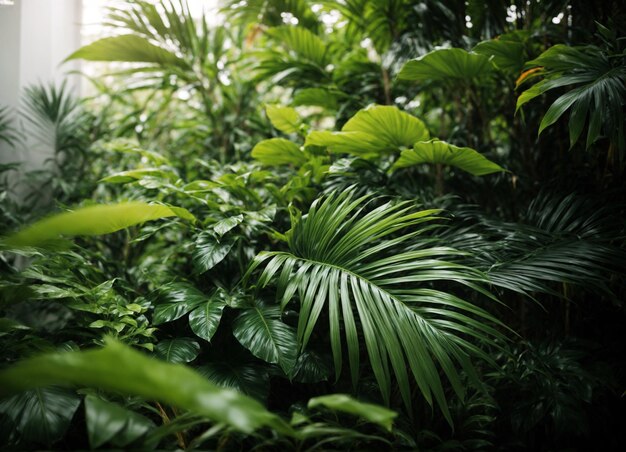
(35, 37)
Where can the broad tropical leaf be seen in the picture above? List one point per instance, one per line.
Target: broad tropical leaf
(118, 368)
(93, 220)
(110, 422)
(41, 415)
(436, 151)
(225, 225)
(210, 251)
(285, 119)
(373, 131)
(316, 96)
(355, 266)
(342, 402)
(261, 331)
(177, 350)
(507, 52)
(205, 319)
(174, 300)
(446, 65)
(278, 151)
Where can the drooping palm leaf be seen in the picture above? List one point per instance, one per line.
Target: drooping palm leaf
(351, 265)
(599, 79)
(559, 240)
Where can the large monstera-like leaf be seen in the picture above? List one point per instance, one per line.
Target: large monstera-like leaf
(357, 268)
(436, 151)
(373, 131)
(443, 65)
(600, 91)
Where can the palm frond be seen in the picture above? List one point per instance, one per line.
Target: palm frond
(348, 262)
(8, 132)
(55, 117)
(571, 239)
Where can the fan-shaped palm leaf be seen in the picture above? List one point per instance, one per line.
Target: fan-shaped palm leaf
(350, 264)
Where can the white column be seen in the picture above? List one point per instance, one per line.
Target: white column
(35, 37)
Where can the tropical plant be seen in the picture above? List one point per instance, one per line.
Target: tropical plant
(322, 225)
(599, 74)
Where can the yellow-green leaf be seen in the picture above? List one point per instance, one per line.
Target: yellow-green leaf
(92, 220)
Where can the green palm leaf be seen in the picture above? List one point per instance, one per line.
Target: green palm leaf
(128, 48)
(351, 265)
(599, 78)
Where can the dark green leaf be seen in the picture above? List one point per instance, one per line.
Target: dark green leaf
(41, 415)
(205, 319)
(174, 300)
(249, 378)
(107, 421)
(261, 331)
(209, 251)
(178, 350)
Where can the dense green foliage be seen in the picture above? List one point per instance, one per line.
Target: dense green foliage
(351, 225)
